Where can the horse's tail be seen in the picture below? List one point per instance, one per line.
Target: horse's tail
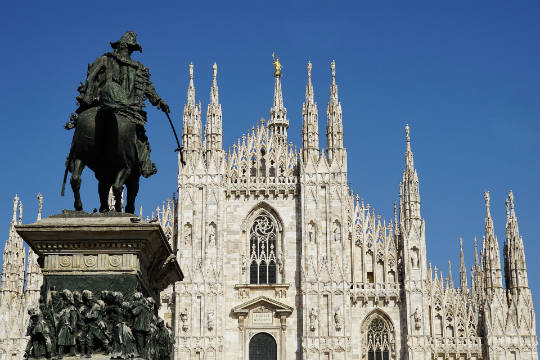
(71, 150)
(64, 182)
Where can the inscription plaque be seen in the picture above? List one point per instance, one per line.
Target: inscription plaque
(262, 318)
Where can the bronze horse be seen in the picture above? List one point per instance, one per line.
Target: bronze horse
(106, 144)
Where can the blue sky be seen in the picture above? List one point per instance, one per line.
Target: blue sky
(463, 74)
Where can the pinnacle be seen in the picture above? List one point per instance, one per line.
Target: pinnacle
(40, 205)
(309, 86)
(487, 200)
(333, 86)
(191, 88)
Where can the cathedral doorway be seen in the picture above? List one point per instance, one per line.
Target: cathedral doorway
(262, 347)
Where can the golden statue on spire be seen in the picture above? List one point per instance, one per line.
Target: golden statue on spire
(277, 66)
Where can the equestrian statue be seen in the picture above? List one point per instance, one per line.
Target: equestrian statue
(110, 137)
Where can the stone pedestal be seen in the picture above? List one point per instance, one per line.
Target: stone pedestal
(102, 275)
(96, 252)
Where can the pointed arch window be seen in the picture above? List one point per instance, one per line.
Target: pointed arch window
(378, 340)
(263, 245)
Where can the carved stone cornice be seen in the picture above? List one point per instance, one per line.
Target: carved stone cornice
(246, 291)
(77, 243)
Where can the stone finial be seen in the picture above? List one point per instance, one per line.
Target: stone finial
(461, 255)
(487, 199)
(191, 88)
(511, 201)
(15, 203)
(20, 212)
(214, 69)
(309, 66)
(40, 205)
(333, 68)
(407, 133)
(408, 154)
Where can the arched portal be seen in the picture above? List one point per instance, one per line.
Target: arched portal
(262, 347)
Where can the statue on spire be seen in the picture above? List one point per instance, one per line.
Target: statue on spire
(277, 66)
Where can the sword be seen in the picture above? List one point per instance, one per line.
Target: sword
(179, 148)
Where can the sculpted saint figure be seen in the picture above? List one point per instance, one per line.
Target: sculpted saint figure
(210, 319)
(277, 66)
(313, 317)
(338, 319)
(110, 137)
(417, 316)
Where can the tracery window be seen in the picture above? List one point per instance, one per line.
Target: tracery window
(263, 245)
(378, 340)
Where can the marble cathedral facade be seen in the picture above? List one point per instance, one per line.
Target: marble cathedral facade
(283, 261)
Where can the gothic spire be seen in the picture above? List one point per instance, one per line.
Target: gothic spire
(450, 280)
(278, 122)
(14, 255)
(333, 87)
(491, 260)
(409, 159)
(191, 88)
(462, 268)
(191, 130)
(214, 93)
(310, 128)
(476, 272)
(515, 267)
(15, 204)
(476, 260)
(213, 130)
(309, 86)
(334, 125)
(409, 188)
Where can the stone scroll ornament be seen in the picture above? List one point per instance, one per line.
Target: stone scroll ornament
(81, 324)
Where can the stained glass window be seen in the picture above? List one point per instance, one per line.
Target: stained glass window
(378, 340)
(263, 243)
